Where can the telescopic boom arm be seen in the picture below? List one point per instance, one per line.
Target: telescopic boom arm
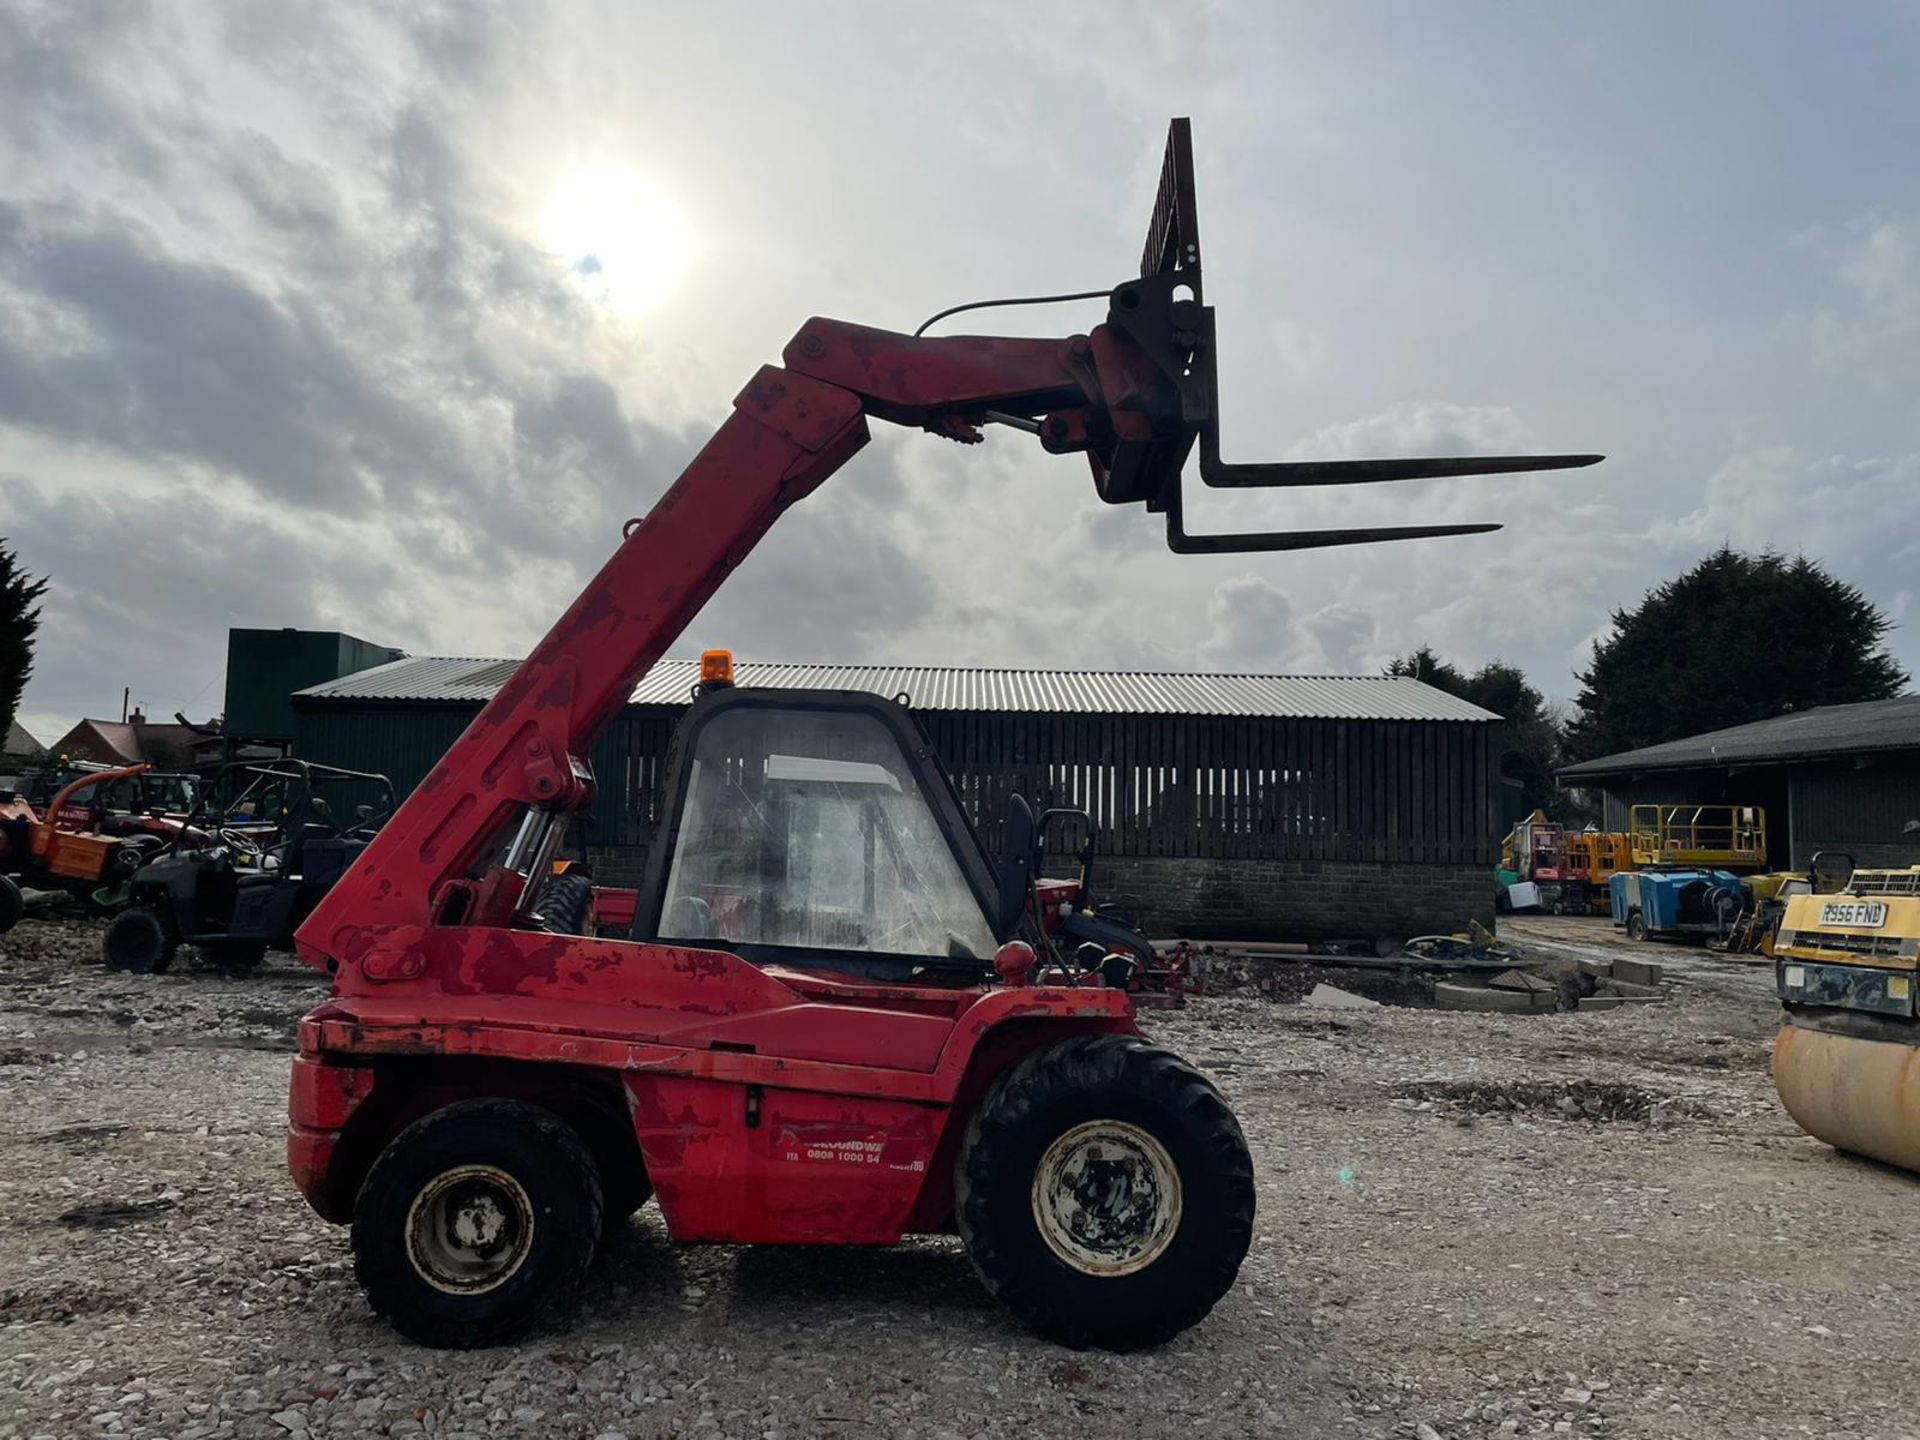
(469, 845)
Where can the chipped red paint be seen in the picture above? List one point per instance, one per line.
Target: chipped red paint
(814, 1169)
(846, 1071)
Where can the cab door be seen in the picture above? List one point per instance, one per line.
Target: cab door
(817, 830)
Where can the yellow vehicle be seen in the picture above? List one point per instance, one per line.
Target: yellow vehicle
(1593, 857)
(1753, 932)
(1699, 837)
(1847, 1059)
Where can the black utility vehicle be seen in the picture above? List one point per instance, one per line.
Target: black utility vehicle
(263, 843)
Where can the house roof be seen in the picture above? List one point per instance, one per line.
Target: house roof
(124, 743)
(1828, 731)
(19, 742)
(445, 679)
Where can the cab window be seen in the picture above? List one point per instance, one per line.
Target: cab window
(811, 830)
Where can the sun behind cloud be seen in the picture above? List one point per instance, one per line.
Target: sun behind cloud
(623, 241)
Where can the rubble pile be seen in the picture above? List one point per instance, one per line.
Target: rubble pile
(1447, 973)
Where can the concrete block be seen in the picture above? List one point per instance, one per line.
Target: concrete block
(1601, 1002)
(1333, 998)
(1450, 996)
(1521, 980)
(1627, 989)
(1637, 972)
(1599, 969)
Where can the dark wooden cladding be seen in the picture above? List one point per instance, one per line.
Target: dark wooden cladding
(1216, 787)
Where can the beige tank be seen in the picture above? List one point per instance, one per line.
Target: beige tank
(1857, 1095)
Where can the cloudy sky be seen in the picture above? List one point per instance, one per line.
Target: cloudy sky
(297, 325)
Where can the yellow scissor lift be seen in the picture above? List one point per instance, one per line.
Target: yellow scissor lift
(1698, 837)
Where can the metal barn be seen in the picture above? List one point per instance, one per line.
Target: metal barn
(1839, 777)
(1232, 806)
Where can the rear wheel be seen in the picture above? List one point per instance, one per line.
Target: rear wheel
(1636, 925)
(12, 904)
(565, 903)
(138, 942)
(476, 1221)
(1105, 1193)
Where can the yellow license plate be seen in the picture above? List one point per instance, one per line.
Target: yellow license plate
(1858, 914)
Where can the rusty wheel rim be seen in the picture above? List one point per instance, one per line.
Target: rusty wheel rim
(1107, 1198)
(469, 1230)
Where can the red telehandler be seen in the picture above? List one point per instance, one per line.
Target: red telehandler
(822, 1027)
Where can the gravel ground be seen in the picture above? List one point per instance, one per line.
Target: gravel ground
(1469, 1225)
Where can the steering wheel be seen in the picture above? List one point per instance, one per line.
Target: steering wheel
(250, 850)
(688, 917)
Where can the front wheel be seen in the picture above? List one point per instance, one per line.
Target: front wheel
(475, 1221)
(1105, 1193)
(1636, 925)
(138, 942)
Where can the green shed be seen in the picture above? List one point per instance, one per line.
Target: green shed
(265, 668)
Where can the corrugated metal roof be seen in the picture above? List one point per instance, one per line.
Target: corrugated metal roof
(1804, 735)
(1322, 697)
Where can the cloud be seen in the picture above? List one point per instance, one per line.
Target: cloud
(1774, 497)
(273, 396)
(1252, 627)
(1430, 427)
(189, 363)
(278, 346)
(1875, 333)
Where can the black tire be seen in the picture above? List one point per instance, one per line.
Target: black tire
(138, 942)
(12, 904)
(234, 954)
(1165, 1266)
(566, 901)
(129, 857)
(1636, 925)
(624, 1197)
(477, 1162)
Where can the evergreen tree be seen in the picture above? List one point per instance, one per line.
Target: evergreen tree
(1737, 638)
(1530, 739)
(19, 619)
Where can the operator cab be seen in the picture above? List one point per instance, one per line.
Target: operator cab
(816, 829)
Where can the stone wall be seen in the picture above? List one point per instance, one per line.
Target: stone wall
(1295, 899)
(1249, 899)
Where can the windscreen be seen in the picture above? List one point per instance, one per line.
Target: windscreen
(173, 793)
(810, 829)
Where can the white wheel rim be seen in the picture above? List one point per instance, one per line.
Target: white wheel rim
(1106, 1198)
(469, 1230)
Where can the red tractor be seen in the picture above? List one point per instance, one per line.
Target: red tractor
(820, 1028)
